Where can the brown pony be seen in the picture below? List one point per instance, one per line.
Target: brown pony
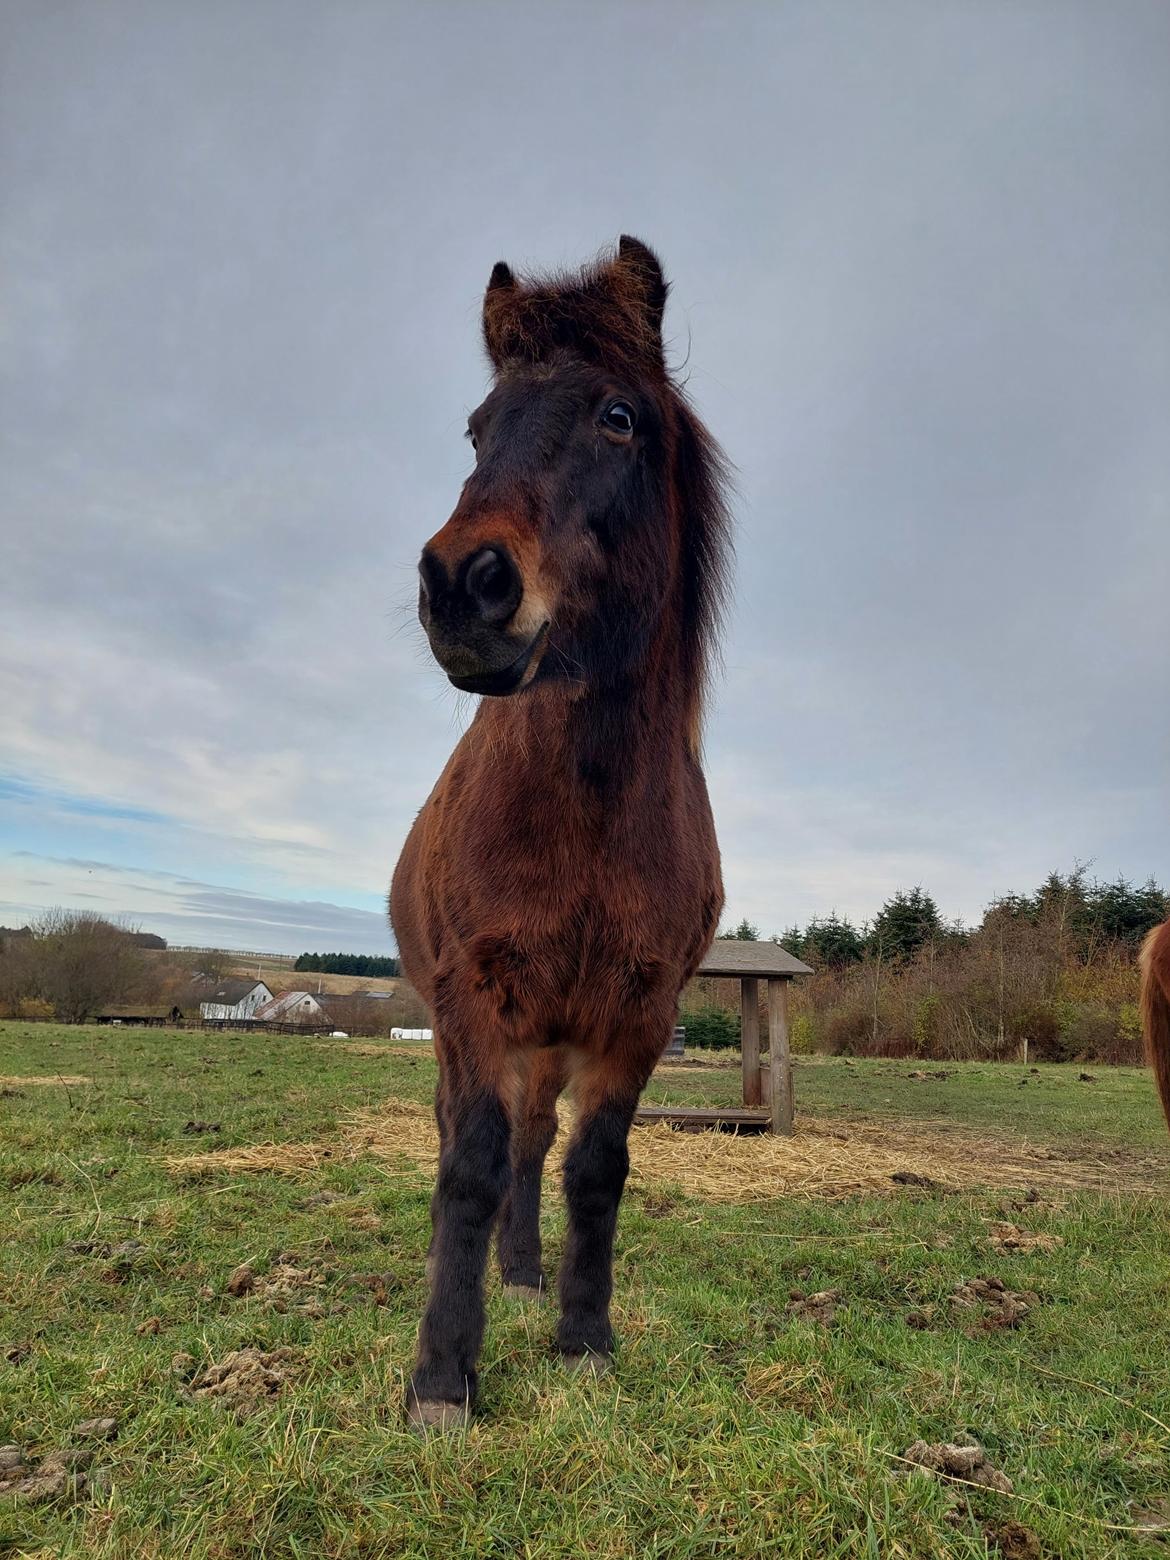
(1155, 963)
(561, 883)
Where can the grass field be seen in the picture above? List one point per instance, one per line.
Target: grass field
(742, 1418)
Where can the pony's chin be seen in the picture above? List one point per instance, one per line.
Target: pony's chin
(510, 678)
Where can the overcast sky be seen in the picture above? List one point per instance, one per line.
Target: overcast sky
(921, 264)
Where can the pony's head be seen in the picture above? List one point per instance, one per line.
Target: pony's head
(594, 515)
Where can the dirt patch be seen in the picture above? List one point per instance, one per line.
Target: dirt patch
(940, 1074)
(1006, 1237)
(913, 1178)
(66, 1081)
(63, 1475)
(991, 1304)
(1012, 1540)
(657, 1203)
(245, 1378)
(1153, 1519)
(820, 1307)
(827, 1159)
(966, 1463)
(285, 1286)
(200, 1128)
(379, 1286)
(322, 1200)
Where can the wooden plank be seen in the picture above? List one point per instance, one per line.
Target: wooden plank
(749, 1018)
(692, 1120)
(780, 1057)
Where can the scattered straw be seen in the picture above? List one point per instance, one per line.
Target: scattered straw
(261, 1158)
(829, 1160)
(826, 1159)
(65, 1080)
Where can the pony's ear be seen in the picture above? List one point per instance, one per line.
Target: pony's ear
(641, 269)
(497, 309)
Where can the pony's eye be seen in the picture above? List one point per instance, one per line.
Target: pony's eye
(471, 439)
(619, 418)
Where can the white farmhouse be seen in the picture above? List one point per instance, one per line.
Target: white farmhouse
(292, 1007)
(232, 998)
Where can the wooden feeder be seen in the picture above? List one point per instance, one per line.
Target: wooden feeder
(767, 1090)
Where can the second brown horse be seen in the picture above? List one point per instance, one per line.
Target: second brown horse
(562, 882)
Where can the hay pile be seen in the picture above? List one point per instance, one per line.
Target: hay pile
(826, 1159)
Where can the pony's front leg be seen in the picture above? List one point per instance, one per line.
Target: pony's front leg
(534, 1126)
(596, 1167)
(473, 1177)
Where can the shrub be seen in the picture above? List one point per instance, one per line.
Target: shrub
(712, 1029)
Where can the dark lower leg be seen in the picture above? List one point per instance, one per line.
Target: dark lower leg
(595, 1173)
(473, 1175)
(519, 1233)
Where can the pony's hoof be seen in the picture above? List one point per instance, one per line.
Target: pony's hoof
(423, 1414)
(588, 1364)
(525, 1292)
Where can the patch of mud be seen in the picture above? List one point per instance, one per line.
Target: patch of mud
(379, 1286)
(939, 1073)
(985, 1304)
(947, 1460)
(322, 1200)
(243, 1379)
(1007, 1237)
(1012, 1540)
(125, 1252)
(657, 1202)
(285, 1286)
(820, 1307)
(201, 1128)
(63, 1475)
(991, 1304)
(1153, 1519)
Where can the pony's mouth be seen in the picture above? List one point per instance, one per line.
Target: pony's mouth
(510, 678)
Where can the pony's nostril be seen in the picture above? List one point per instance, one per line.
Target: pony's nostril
(492, 584)
(432, 576)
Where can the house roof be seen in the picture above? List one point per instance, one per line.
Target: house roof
(229, 991)
(286, 1002)
(728, 956)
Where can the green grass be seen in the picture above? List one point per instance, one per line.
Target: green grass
(728, 1427)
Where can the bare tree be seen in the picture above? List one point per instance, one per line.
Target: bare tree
(80, 962)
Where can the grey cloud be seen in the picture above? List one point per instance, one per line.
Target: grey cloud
(920, 256)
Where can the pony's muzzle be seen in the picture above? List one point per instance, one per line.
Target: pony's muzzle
(468, 615)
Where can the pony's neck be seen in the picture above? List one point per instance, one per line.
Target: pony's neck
(629, 729)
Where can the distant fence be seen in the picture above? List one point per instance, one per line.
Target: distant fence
(267, 1026)
(242, 954)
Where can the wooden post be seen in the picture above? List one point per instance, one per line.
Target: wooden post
(780, 1056)
(749, 1022)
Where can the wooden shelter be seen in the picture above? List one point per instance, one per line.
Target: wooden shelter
(767, 1090)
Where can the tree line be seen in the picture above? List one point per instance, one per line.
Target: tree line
(1051, 974)
(348, 964)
